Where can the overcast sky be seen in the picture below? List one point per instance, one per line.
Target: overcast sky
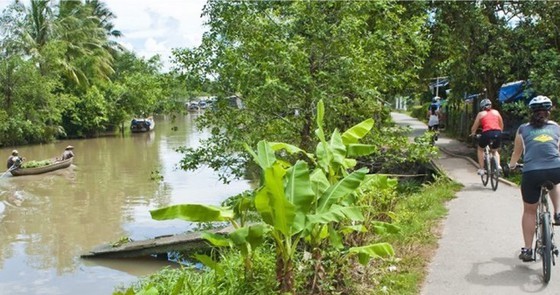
(153, 27)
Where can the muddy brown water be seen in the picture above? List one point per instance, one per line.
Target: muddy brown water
(47, 221)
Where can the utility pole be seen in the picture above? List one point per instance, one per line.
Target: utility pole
(437, 83)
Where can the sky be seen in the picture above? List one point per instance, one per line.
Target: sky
(153, 27)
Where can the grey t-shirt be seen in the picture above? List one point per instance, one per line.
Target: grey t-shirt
(540, 146)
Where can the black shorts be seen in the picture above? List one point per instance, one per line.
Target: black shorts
(485, 138)
(531, 183)
(433, 127)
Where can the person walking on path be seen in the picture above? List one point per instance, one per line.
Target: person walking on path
(492, 125)
(433, 120)
(538, 141)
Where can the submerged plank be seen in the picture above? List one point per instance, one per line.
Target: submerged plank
(155, 246)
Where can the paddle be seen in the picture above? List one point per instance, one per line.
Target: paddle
(14, 167)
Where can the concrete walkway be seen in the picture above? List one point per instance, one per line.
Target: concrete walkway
(481, 236)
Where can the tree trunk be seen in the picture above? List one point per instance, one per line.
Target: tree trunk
(284, 275)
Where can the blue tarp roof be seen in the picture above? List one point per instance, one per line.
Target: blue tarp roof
(514, 91)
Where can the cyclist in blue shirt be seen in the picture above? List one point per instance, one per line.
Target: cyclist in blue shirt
(538, 141)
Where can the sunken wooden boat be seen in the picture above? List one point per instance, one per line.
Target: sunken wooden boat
(43, 169)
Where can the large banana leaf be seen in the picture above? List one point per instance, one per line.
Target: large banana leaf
(324, 156)
(216, 239)
(271, 201)
(298, 187)
(357, 150)
(336, 214)
(341, 189)
(319, 181)
(299, 192)
(338, 149)
(193, 212)
(265, 154)
(357, 131)
(320, 115)
(253, 235)
(365, 253)
(291, 149)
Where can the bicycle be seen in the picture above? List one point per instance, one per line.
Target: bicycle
(544, 235)
(435, 134)
(491, 171)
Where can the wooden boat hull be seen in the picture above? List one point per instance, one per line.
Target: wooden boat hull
(142, 125)
(40, 170)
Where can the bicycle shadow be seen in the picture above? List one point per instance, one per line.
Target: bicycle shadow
(528, 276)
(476, 188)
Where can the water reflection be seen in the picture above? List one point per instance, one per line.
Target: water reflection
(48, 220)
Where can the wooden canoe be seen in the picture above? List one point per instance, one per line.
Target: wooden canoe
(39, 170)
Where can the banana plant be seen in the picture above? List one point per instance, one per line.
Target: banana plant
(295, 202)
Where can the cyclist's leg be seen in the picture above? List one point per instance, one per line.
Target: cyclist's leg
(528, 223)
(497, 136)
(555, 193)
(483, 141)
(530, 192)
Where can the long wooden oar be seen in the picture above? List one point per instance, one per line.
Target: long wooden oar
(14, 167)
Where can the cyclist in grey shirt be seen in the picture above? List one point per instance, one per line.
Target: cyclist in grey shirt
(539, 142)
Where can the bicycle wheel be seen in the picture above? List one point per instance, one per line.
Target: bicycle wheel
(486, 175)
(546, 246)
(494, 173)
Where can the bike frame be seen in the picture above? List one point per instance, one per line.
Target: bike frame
(491, 167)
(544, 234)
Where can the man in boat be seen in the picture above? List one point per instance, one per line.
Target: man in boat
(14, 159)
(68, 153)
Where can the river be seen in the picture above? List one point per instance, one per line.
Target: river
(47, 221)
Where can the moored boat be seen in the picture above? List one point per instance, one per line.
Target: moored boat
(142, 125)
(56, 165)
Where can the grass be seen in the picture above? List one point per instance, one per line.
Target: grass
(419, 217)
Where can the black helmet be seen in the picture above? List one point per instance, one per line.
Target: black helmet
(540, 103)
(485, 103)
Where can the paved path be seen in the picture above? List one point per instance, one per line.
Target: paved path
(481, 236)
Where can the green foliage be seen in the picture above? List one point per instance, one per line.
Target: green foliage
(123, 240)
(156, 175)
(61, 75)
(295, 201)
(188, 280)
(417, 215)
(35, 164)
(281, 58)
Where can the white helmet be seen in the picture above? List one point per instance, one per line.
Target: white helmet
(485, 103)
(540, 103)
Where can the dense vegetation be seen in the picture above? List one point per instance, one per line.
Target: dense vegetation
(62, 74)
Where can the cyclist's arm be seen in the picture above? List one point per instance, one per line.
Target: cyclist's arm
(517, 150)
(500, 121)
(475, 124)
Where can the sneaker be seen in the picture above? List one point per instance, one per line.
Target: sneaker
(526, 255)
(481, 172)
(557, 219)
